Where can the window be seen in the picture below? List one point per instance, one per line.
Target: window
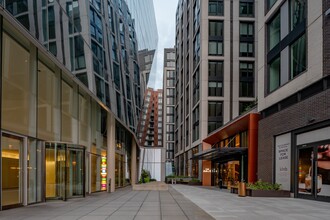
(270, 3)
(196, 14)
(246, 49)
(246, 29)
(195, 122)
(215, 89)
(246, 87)
(216, 7)
(298, 57)
(215, 109)
(77, 53)
(215, 115)
(216, 38)
(196, 49)
(246, 8)
(297, 12)
(73, 13)
(274, 75)
(274, 32)
(215, 84)
(196, 87)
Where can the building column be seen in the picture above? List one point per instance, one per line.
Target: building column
(111, 153)
(206, 168)
(253, 148)
(133, 162)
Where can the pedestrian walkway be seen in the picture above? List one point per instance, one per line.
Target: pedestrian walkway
(226, 206)
(124, 204)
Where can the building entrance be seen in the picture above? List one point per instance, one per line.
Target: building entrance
(11, 170)
(65, 168)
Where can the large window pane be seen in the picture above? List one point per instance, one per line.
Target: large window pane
(69, 114)
(246, 9)
(274, 32)
(48, 104)
(34, 171)
(18, 96)
(274, 75)
(298, 57)
(298, 12)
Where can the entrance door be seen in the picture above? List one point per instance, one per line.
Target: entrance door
(55, 171)
(314, 172)
(11, 170)
(75, 178)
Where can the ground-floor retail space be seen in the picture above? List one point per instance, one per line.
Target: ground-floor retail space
(302, 162)
(34, 171)
(229, 154)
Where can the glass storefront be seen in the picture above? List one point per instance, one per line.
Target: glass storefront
(11, 170)
(64, 169)
(314, 170)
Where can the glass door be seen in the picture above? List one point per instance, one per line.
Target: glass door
(314, 172)
(323, 170)
(55, 171)
(11, 170)
(75, 177)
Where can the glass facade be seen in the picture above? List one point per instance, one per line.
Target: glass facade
(53, 129)
(294, 43)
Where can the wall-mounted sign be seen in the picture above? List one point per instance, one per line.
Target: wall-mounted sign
(283, 160)
(104, 173)
(207, 170)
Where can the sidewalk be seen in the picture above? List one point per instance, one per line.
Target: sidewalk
(226, 206)
(124, 204)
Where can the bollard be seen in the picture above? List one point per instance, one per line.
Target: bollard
(242, 189)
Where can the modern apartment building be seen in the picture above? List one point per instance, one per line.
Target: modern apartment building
(169, 107)
(294, 96)
(69, 99)
(151, 132)
(215, 77)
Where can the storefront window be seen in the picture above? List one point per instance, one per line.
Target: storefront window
(323, 170)
(12, 179)
(18, 94)
(48, 104)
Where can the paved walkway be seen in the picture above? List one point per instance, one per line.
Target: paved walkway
(226, 206)
(124, 204)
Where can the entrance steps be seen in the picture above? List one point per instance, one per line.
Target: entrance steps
(152, 186)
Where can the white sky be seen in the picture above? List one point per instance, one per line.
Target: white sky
(165, 16)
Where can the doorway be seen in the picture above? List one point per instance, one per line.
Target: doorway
(65, 168)
(11, 170)
(313, 181)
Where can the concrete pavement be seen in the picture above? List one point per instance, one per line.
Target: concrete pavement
(226, 206)
(124, 204)
(180, 202)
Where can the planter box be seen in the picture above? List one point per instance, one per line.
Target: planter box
(195, 183)
(268, 193)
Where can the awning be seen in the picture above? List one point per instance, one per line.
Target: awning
(220, 153)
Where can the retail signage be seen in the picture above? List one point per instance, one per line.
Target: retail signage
(207, 170)
(283, 160)
(104, 173)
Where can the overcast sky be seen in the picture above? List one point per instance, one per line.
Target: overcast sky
(165, 16)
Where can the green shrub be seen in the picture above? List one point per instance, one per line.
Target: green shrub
(145, 176)
(194, 180)
(260, 185)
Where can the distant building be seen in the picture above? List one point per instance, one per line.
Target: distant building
(169, 109)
